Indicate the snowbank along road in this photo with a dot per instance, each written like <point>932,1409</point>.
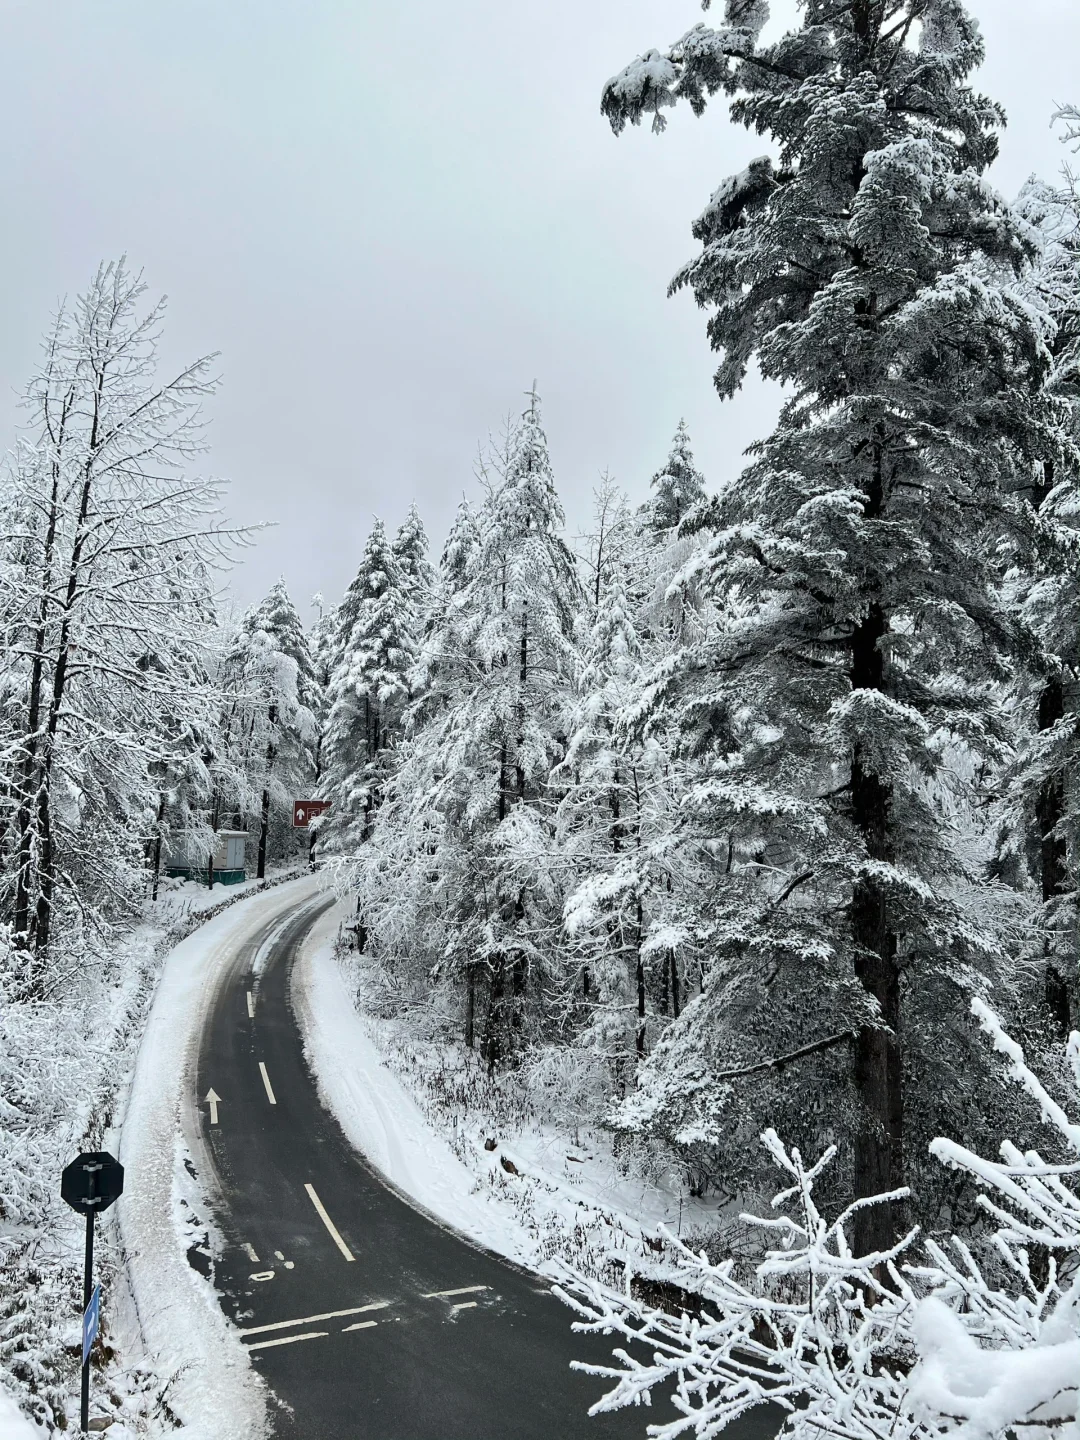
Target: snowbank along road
<point>366,1318</point>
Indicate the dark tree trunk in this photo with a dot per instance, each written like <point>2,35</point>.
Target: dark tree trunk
<point>519,979</point>
<point>523,675</point>
<point>157,846</point>
<point>675,1005</point>
<point>491,1047</point>
<point>264,826</point>
<point>470,1006</point>
<point>28,768</point>
<point>879,1143</point>
<point>639,1034</point>
<point>264,830</point>
<point>46,856</point>
<point>639,1037</point>
<point>1053,858</point>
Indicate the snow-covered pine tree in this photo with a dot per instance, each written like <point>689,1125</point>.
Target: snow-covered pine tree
<point>321,644</point>
<point>369,687</point>
<point>678,487</point>
<point>464,835</point>
<point>857,265</point>
<point>616,814</point>
<point>410,550</point>
<point>275,687</point>
<point>1040,805</point>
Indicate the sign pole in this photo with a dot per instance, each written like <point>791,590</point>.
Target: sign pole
<point>88,1290</point>
<point>90,1183</point>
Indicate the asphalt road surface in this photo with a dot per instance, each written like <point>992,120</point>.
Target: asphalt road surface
<point>366,1318</point>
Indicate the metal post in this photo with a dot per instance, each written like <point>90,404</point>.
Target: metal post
<point>88,1290</point>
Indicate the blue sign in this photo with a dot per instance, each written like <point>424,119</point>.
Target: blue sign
<point>90,1319</point>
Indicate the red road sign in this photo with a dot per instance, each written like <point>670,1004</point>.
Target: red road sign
<point>305,810</point>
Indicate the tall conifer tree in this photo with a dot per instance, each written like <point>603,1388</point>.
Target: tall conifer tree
<point>857,268</point>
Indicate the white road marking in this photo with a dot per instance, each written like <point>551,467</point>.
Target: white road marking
<point>266,1082</point>
<point>278,1255</point>
<point>289,1339</point>
<point>262,1275</point>
<point>325,1218</point>
<point>249,1251</point>
<point>315,1319</point>
<point>360,1325</point>
<point>465,1305</point>
<point>213,1099</point>
<point>251,1007</point>
<point>464,1290</point>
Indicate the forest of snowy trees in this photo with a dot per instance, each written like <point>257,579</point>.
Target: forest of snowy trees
<point>738,800</point>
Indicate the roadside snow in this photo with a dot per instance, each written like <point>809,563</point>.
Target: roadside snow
<point>212,1389</point>
<point>539,1195</point>
<point>13,1424</point>
<point>377,1113</point>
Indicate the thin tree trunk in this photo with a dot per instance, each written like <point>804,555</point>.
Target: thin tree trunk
<point>264,828</point>
<point>46,850</point>
<point>46,853</point>
<point>879,1142</point>
<point>470,1006</point>
<point>492,1043</point>
<point>1053,858</point>
<point>1049,813</point>
<point>157,845</point>
<point>28,769</point>
<point>675,1005</point>
<point>523,675</point>
<point>639,1037</point>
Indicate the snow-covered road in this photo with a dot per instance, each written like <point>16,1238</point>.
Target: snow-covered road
<point>212,1390</point>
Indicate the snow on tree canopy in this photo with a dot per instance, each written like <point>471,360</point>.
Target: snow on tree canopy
<point>679,486</point>
<point>855,566</point>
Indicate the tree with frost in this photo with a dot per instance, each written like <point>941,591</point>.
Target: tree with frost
<point>864,265</point>
<point>410,550</point>
<point>617,820</point>
<point>467,820</point>
<point>108,720</point>
<point>107,551</point>
<point>1039,810</point>
<point>321,644</point>
<point>276,698</point>
<point>929,1337</point>
<point>678,488</point>
<point>369,686</point>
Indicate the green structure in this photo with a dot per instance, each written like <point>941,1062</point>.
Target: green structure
<point>229,860</point>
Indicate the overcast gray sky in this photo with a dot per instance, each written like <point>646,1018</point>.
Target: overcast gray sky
<point>388,218</point>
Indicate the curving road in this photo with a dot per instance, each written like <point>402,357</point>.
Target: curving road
<point>366,1318</point>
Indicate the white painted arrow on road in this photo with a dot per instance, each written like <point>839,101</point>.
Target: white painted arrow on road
<point>213,1099</point>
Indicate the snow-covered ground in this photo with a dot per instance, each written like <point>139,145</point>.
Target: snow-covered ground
<point>13,1424</point>
<point>530,1186</point>
<point>212,1391</point>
